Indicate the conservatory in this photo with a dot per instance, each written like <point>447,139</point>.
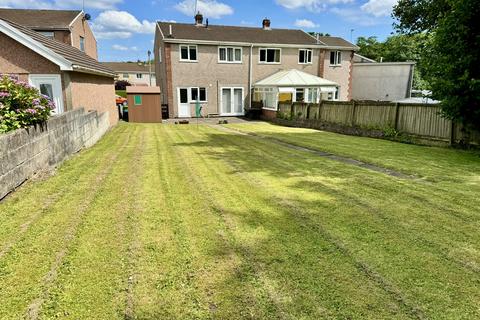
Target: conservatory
<point>293,86</point>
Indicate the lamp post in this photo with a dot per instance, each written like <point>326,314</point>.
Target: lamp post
<point>149,67</point>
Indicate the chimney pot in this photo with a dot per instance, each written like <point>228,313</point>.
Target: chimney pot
<point>198,19</point>
<point>266,24</point>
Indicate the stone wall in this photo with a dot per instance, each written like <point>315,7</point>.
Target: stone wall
<point>25,152</point>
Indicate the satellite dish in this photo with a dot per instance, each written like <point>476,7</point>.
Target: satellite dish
<point>88,16</point>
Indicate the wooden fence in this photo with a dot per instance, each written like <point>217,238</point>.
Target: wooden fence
<point>421,120</point>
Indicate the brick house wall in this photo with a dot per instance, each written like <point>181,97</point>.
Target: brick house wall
<point>81,28</point>
<point>93,92</point>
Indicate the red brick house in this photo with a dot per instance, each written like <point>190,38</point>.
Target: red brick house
<point>69,76</point>
<point>68,26</point>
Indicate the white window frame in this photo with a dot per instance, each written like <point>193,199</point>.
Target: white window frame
<point>265,62</point>
<point>190,99</point>
<point>48,34</point>
<point>226,55</point>
<point>188,50</point>
<point>264,91</point>
<point>232,96</point>
<point>126,75</point>
<point>81,44</point>
<point>160,54</point>
<point>337,58</point>
<point>334,96</point>
<point>139,75</point>
<point>306,56</point>
<point>56,86</point>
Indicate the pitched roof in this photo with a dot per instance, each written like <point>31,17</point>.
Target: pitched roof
<point>56,50</point>
<point>40,19</point>
<point>128,67</point>
<point>218,33</point>
<point>294,78</point>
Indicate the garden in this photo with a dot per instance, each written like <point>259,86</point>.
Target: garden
<point>245,221</point>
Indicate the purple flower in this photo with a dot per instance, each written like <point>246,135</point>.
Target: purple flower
<point>4,94</point>
<point>31,111</point>
<point>36,102</point>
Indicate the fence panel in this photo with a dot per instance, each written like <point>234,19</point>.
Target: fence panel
<point>336,113</point>
<point>373,115</point>
<point>423,120</point>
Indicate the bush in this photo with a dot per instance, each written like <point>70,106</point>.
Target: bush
<point>121,85</point>
<point>21,105</point>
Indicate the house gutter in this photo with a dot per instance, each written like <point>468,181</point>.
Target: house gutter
<point>250,77</point>
<point>92,71</point>
<point>248,44</point>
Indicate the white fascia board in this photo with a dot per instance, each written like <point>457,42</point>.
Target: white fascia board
<point>243,44</point>
<point>92,71</point>
<point>265,45</point>
<point>379,64</point>
<point>75,19</point>
<point>35,46</point>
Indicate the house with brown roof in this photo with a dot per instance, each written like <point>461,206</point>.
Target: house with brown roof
<point>68,26</point>
<point>70,77</point>
<point>136,73</point>
<point>221,67</point>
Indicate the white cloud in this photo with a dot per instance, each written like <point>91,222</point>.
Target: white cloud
<point>357,17</point>
<point>311,5</point>
<point>120,24</point>
<point>61,4</point>
<point>209,8</point>
<point>305,23</point>
<point>379,8</point>
<point>120,47</point>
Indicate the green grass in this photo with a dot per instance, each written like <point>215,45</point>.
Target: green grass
<point>164,221</point>
<point>121,93</point>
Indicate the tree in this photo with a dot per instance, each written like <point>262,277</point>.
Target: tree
<point>452,60</point>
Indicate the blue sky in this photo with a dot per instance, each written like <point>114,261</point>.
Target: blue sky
<point>124,28</point>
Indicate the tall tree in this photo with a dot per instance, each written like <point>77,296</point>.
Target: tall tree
<point>452,60</point>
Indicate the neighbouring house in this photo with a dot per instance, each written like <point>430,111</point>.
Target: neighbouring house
<point>384,81</point>
<point>68,26</point>
<point>222,67</point>
<point>67,75</point>
<point>137,74</point>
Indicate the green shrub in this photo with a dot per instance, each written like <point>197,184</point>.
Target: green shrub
<point>21,105</point>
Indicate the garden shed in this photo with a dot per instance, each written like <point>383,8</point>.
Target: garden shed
<point>144,104</point>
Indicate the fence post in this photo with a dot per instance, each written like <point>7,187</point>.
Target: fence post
<point>452,133</point>
<point>292,111</point>
<point>354,106</point>
<point>319,116</point>
<point>395,121</point>
<point>308,111</point>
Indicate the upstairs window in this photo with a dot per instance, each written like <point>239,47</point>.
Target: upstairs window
<point>126,75</point>
<point>230,55</point>
<point>188,53</point>
<point>305,56</point>
<point>139,76</point>
<point>335,58</point>
<point>48,34</point>
<point>82,44</point>
<point>270,55</point>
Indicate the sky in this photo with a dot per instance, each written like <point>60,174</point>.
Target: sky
<point>125,28</point>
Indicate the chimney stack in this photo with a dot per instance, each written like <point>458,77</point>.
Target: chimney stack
<point>198,19</point>
<point>266,24</point>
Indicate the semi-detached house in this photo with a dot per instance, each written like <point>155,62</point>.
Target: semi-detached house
<point>219,66</point>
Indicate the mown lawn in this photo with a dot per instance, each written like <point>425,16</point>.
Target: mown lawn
<point>186,222</point>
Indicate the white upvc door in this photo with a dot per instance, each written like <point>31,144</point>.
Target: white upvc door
<point>183,103</point>
<point>51,86</point>
<point>231,101</point>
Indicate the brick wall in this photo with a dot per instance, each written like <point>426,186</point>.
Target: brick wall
<point>25,152</point>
